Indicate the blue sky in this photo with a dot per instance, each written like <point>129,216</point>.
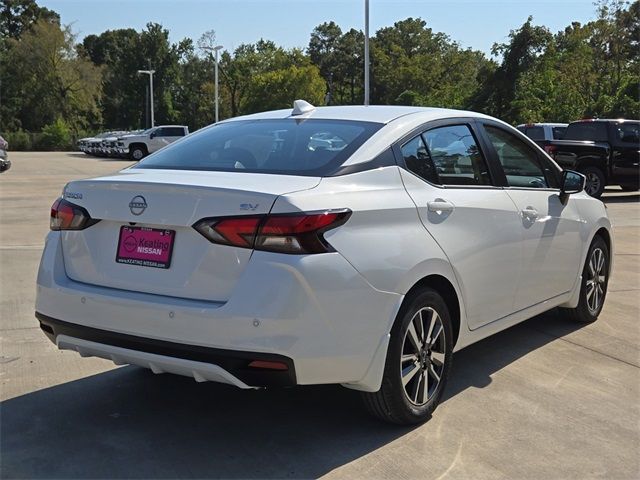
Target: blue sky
<point>477,24</point>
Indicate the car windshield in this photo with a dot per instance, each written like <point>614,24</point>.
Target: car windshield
<point>286,146</point>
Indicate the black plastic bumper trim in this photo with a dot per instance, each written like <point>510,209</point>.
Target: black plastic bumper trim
<point>234,361</point>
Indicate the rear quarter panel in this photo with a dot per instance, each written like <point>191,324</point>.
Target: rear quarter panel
<point>383,239</point>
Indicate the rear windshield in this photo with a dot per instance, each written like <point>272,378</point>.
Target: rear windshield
<point>594,131</point>
<point>287,146</point>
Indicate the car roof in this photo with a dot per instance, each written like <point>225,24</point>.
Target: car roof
<point>607,120</point>
<point>541,124</point>
<point>372,113</point>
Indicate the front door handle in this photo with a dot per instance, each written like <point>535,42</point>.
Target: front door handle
<point>529,213</point>
<point>440,206</point>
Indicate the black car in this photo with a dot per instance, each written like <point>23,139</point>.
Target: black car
<point>606,151</point>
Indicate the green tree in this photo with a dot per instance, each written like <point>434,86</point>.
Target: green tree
<point>585,70</point>
<point>519,55</point>
<point>117,52</point>
<point>51,80</point>
<point>410,57</point>
<point>260,76</point>
<point>17,16</point>
<point>122,53</point>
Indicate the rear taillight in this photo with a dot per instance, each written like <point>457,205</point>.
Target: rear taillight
<point>297,233</point>
<point>550,149</point>
<point>68,216</point>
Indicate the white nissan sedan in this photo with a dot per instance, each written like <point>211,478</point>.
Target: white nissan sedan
<point>353,245</point>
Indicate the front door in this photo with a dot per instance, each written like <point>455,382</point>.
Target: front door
<point>551,240</point>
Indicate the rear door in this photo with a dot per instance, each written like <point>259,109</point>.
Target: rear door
<point>550,228</point>
<point>473,220</point>
<point>625,155</point>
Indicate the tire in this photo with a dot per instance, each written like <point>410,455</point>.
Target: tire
<point>630,188</point>
<point>596,181</point>
<point>406,405</point>
<point>138,152</point>
<point>593,289</point>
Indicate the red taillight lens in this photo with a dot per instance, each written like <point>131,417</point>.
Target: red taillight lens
<point>298,233</point>
<point>68,216</point>
<point>239,231</point>
<point>288,233</point>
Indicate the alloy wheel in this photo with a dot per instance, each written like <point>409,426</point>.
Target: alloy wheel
<point>137,154</point>
<point>596,280</point>
<point>423,356</point>
<point>592,185</point>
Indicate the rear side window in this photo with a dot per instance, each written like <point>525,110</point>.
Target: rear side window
<point>628,133</point>
<point>417,159</point>
<point>593,131</point>
<point>286,146</point>
<point>456,156</point>
<point>535,133</point>
<point>518,161</point>
<point>558,132</point>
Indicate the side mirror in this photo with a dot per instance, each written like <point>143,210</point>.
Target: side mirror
<point>572,182</point>
<point>152,135</point>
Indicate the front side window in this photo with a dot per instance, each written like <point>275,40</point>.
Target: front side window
<point>628,133</point>
<point>285,146</point>
<point>456,156</point>
<point>518,161</point>
<point>418,160</point>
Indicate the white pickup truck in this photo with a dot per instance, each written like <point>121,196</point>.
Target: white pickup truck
<point>139,146</point>
<point>543,133</point>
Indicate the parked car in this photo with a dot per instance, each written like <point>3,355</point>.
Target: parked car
<point>93,145</point>
<point>224,258</point>
<point>543,133</point>
<point>102,145</point>
<point>83,144</point>
<point>109,144</point>
<point>5,163</point>
<point>606,151</point>
<point>149,141</point>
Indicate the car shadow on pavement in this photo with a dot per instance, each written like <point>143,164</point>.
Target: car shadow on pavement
<point>628,198</point>
<point>97,157</point>
<point>129,423</point>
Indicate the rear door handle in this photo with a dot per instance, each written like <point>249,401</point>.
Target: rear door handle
<point>530,213</point>
<point>440,206</point>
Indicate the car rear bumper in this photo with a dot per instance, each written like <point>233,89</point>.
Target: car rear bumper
<point>201,363</point>
<point>316,313</point>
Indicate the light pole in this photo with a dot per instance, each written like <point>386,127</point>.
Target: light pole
<point>150,73</point>
<point>215,51</point>
<point>366,52</point>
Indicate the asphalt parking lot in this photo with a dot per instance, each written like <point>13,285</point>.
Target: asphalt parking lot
<point>545,399</point>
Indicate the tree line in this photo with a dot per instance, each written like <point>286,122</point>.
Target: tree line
<point>50,82</point>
